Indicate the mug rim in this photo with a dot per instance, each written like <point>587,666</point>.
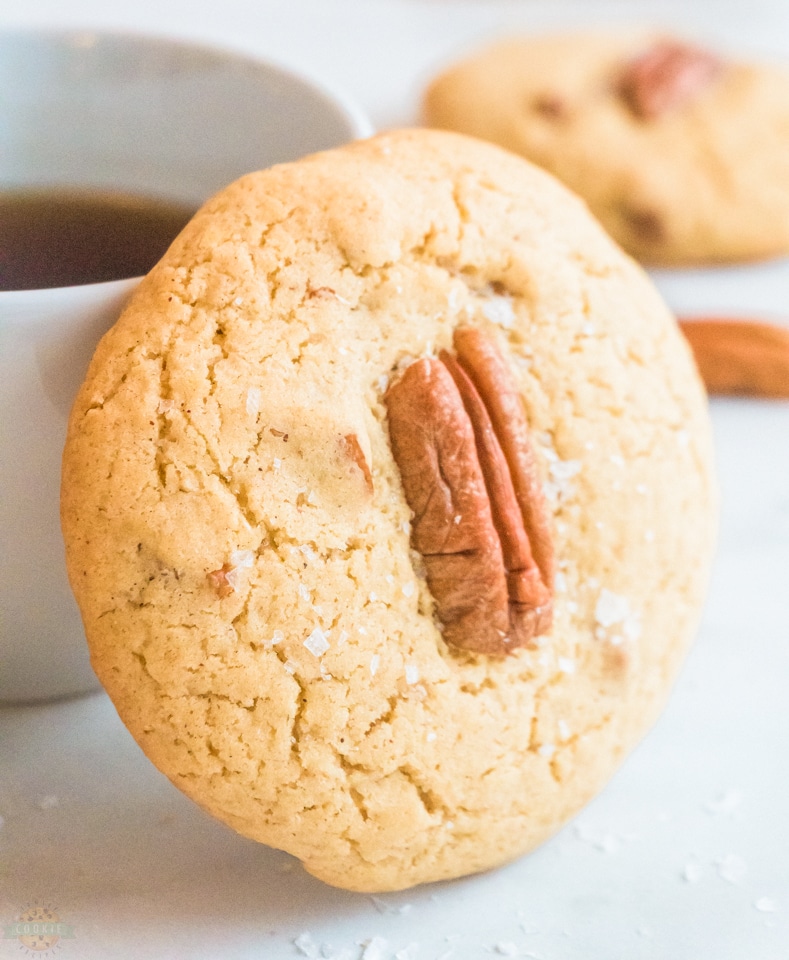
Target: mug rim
<point>358,123</point>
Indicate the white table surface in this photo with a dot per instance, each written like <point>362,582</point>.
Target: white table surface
<point>684,856</point>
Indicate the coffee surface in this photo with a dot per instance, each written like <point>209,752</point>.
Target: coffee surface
<point>62,237</point>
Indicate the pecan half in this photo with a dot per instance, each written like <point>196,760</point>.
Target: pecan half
<point>460,439</point>
<point>740,357</point>
<point>667,75</point>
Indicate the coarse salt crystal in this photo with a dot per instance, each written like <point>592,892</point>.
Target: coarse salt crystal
<point>765,905</point>
<point>407,953</point>
<point>253,401</point>
<point>373,596</point>
<point>377,949</point>
<point>290,666</point>
<point>383,382</point>
<point>692,872</point>
<point>506,949</point>
<point>499,310</point>
<point>166,406</point>
<point>566,665</point>
<point>306,946</point>
<point>375,663</point>
<point>564,730</point>
<point>611,608</point>
<point>277,637</point>
<point>411,674</point>
<point>238,301</point>
<point>317,643</point>
<point>560,582</point>
<point>242,558</point>
<point>232,578</point>
<point>342,637</point>
<point>304,593</point>
<point>617,460</point>
<point>408,589</point>
<point>277,463</point>
<point>547,750</point>
<point>431,736</point>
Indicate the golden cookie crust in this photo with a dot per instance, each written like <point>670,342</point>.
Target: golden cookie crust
<point>313,705</point>
<point>703,183</point>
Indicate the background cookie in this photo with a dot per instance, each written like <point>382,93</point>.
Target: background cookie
<point>683,156</point>
<point>252,601</point>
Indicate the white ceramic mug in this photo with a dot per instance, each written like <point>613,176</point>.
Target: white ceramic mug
<point>148,116</point>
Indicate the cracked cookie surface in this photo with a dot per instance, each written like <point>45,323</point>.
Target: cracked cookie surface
<point>238,536</point>
<point>698,177</point>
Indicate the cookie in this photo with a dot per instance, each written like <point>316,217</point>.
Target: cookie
<point>388,507</point>
<point>681,154</point>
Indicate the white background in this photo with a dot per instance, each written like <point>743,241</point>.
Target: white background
<point>684,857</point>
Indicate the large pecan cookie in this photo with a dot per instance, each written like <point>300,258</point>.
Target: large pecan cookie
<point>683,155</point>
<point>388,508</point>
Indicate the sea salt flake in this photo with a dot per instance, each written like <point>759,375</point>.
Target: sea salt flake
<point>732,868</point>
<point>499,310</point>
<point>408,589</point>
<point>342,637</point>
<point>377,949</point>
<point>506,948</point>
<point>407,953</point>
<point>765,905</point>
<point>317,643</point>
<point>611,608</point>
<point>431,736</point>
<point>253,401</point>
<point>304,593</point>
<point>290,666</point>
<point>242,559</point>
<point>373,596</point>
<point>547,750</point>
<point>277,637</point>
<point>233,578</point>
<point>383,382</point>
<point>238,301</point>
<point>566,665</point>
<point>277,463</point>
<point>692,872</point>
<point>375,663</point>
<point>306,946</point>
<point>411,674</point>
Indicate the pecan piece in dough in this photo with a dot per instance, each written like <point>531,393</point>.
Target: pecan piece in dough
<point>666,76</point>
<point>460,438</point>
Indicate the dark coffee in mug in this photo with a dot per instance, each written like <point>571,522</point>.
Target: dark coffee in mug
<point>63,237</point>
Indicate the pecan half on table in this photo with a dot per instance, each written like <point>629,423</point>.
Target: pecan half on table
<point>736,357</point>
<point>459,436</point>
